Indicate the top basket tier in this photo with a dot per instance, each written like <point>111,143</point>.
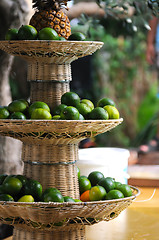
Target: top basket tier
<point>50,51</point>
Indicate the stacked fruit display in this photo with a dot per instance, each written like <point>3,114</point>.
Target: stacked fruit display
<point>95,187</point>
<point>71,108</point>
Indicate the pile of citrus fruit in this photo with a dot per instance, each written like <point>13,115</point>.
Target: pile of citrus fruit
<point>28,32</point>
<point>74,108</point>
<point>96,187</point>
<point>70,108</point>
<point>22,189</point>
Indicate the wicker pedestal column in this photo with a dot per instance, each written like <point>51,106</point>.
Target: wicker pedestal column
<point>75,234</point>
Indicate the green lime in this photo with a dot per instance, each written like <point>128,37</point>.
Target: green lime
<point>27,32</point>
<point>17,106</point>
<point>4,113</point>
<point>40,113</point>
<point>77,200</point>
<point>48,34</point>
<point>68,199</point>
<point>12,34</point>
<point>53,197</point>
<point>95,177</point>
<point>84,184</point>
<point>62,38</point>
<point>1,189</point>
<point>56,117</point>
<point>57,110</point>
<point>108,183</point>
<point>34,188</point>
<point>97,193</point>
<point>83,109</point>
<point>114,194</point>
<point>26,198</point>
<point>78,172</point>
<point>105,101</point>
<point>77,36</point>
<point>6,197</point>
<point>17,115</point>
<point>81,117</point>
<point>2,177</point>
<point>12,185</point>
<point>125,189</point>
<point>49,190</point>
<point>38,104</point>
<point>22,178</point>
<point>117,184</point>
<point>98,113</point>
<point>88,102</point>
<point>112,112</point>
<point>70,99</point>
<point>70,113</point>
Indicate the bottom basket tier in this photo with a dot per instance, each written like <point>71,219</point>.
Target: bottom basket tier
<point>52,216</point>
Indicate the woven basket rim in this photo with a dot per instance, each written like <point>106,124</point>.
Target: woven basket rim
<point>70,204</point>
<point>50,41</point>
<point>59,121</point>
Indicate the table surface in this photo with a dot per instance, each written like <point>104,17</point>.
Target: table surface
<point>140,221</point>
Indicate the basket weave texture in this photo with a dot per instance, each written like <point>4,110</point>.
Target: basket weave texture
<point>53,131</point>
<point>57,52</point>
<point>53,216</point>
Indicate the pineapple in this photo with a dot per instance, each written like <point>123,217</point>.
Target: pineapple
<point>48,13</point>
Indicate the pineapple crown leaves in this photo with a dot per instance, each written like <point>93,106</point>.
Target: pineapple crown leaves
<point>49,4</point>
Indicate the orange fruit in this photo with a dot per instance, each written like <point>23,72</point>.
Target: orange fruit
<point>114,194</point>
<point>97,193</point>
<point>85,196</point>
<point>70,99</point>
<point>12,34</point>
<point>95,177</point>
<point>112,112</point>
<point>98,113</point>
<point>48,34</point>
<point>27,32</point>
<point>70,113</point>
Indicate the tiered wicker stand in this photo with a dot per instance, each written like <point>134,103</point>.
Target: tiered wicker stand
<point>50,147</point>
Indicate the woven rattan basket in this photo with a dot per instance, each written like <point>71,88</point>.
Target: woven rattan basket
<point>50,148</point>
<point>55,216</point>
